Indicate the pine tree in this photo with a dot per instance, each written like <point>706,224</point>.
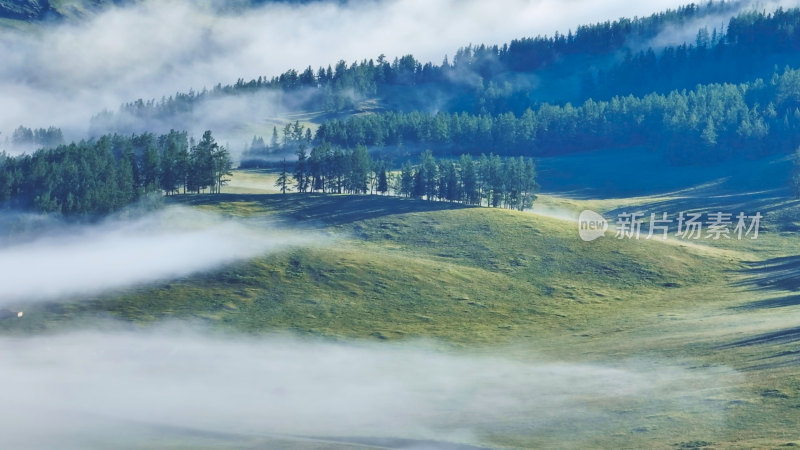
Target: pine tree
<point>301,172</point>
<point>441,180</point>
<point>496,180</point>
<point>383,181</point>
<point>429,174</point>
<point>223,164</point>
<point>360,167</point>
<point>418,191</point>
<point>274,144</point>
<point>468,181</point>
<point>151,164</point>
<point>407,178</point>
<point>530,187</point>
<point>201,167</point>
<point>338,170</point>
<point>283,180</point>
<point>453,192</point>
<point>318,167</point>
<point>796,174</point>
<point>173,153</point>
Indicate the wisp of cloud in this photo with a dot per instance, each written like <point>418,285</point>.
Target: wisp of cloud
<point>67,260</point>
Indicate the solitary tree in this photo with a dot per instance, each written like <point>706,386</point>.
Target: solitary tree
<point>274,143</point>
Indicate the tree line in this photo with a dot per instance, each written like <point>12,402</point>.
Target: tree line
<point>707,124</point>
<point>104,174</point>
<point>489,180</point>
<point>28,138</point>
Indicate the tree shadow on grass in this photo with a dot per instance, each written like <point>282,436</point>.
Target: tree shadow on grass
<point>778,302</point>
<point>776,274</point>
<point>329,209</point>
<point>779,275</point>
<point>781,358</point>
<point>785,336</point>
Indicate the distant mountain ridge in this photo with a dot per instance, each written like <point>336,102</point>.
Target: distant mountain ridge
<point>53,10</point>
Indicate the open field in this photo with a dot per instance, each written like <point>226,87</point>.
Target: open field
<point>253,181</point>
<point>716,320</point>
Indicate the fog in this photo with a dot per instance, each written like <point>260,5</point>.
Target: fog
<point>42,258</point>
<point>97,389</point>
<point>687,33</point>
<point>554,212</point>
<point>63,75</point>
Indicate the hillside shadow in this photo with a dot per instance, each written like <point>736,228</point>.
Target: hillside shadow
<point>325,208</point>
<point>638,172</point>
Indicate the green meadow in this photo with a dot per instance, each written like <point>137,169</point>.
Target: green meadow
<point>488,281</point>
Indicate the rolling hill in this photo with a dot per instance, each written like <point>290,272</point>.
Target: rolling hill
<point>400,270</point>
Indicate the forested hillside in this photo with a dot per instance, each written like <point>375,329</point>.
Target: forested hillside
<point>595,61</point>
<point>754,43</point>
<point>710,123</point>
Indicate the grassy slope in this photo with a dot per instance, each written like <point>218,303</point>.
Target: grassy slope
<point>479,278</point>
<point>410,268</point>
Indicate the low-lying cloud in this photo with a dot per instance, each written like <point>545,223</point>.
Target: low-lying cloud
<point>108,389</point>
<point>65,74</point>
<point>46,259</point>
